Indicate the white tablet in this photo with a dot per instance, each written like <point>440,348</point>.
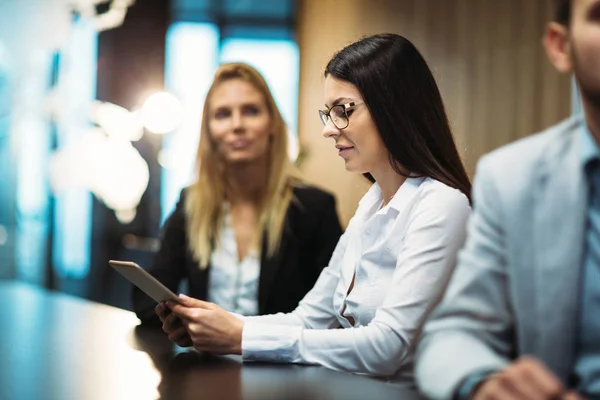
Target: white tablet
<point>143,280</point>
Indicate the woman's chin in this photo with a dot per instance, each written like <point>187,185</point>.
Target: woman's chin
<point>242,159</point>
<point>350,167</point>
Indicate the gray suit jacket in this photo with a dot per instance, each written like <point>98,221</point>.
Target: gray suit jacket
<point>515,290</point>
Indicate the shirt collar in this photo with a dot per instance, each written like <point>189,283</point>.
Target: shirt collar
<point>401,198</point>
<point>405,193</point>
<point>589,148</point>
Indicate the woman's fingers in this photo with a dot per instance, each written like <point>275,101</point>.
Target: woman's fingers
<point>191,302</point>
<point>162,310</point>
<point>184,342</point>
<point>179,334</point>
<point>188,313</point>
<point>207,327</point>
<point>173,321</point>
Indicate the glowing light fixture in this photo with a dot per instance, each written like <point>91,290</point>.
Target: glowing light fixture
<point>161,113</point>
<point>117,122</point>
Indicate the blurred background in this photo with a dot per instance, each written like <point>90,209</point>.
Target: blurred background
<point>100,108</point>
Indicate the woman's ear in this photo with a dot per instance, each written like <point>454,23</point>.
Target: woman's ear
<point>558,46</point>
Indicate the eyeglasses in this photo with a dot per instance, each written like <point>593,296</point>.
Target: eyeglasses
<point>338,114</point>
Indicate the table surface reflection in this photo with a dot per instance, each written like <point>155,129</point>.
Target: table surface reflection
<point>54,346</point>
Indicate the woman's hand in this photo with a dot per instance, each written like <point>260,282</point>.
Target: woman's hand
<point>173,326</point>
<point>210,328</point>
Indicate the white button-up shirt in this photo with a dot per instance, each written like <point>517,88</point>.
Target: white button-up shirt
<point>402,256</point>
<point>233,284</point>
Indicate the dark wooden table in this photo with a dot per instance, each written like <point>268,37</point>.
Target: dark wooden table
<point>54,346</point>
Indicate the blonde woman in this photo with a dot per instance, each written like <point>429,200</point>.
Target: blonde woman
<point>248,235</point>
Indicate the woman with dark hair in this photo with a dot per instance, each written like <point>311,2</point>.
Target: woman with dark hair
<point>390,267</point>
<point>393,81</point>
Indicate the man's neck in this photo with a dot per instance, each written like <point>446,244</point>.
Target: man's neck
<point>592,118</point>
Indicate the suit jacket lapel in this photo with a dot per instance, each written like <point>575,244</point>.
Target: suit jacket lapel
<point>270,265</point>
<point>559,225</point>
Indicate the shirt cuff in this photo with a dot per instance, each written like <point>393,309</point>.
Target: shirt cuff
<point>273,343</point>
<point>470,383</point>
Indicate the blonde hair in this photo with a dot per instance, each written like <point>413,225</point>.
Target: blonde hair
<point>205,198</point>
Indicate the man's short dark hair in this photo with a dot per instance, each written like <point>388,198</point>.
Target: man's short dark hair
<point>563,11</point>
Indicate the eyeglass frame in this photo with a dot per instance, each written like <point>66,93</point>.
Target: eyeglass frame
<point>345,107</point>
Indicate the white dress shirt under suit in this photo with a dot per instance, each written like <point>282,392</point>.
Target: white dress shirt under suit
<point>402,255</point>
<point>233,284</point>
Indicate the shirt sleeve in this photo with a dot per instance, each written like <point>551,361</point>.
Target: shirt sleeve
<point>434,234</point>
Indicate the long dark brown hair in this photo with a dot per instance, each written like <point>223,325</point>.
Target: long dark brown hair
<point>406,105</point>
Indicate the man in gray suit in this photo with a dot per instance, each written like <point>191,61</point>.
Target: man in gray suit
<point>521,316</point>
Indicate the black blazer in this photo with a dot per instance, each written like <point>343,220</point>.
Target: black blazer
<point>310,234</point>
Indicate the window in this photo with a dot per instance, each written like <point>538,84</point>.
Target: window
<point>191,60</point>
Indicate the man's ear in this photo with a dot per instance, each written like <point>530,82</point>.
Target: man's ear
<point>558,47</point>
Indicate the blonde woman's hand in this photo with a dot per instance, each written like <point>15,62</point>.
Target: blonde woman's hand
<point>210,328</point>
